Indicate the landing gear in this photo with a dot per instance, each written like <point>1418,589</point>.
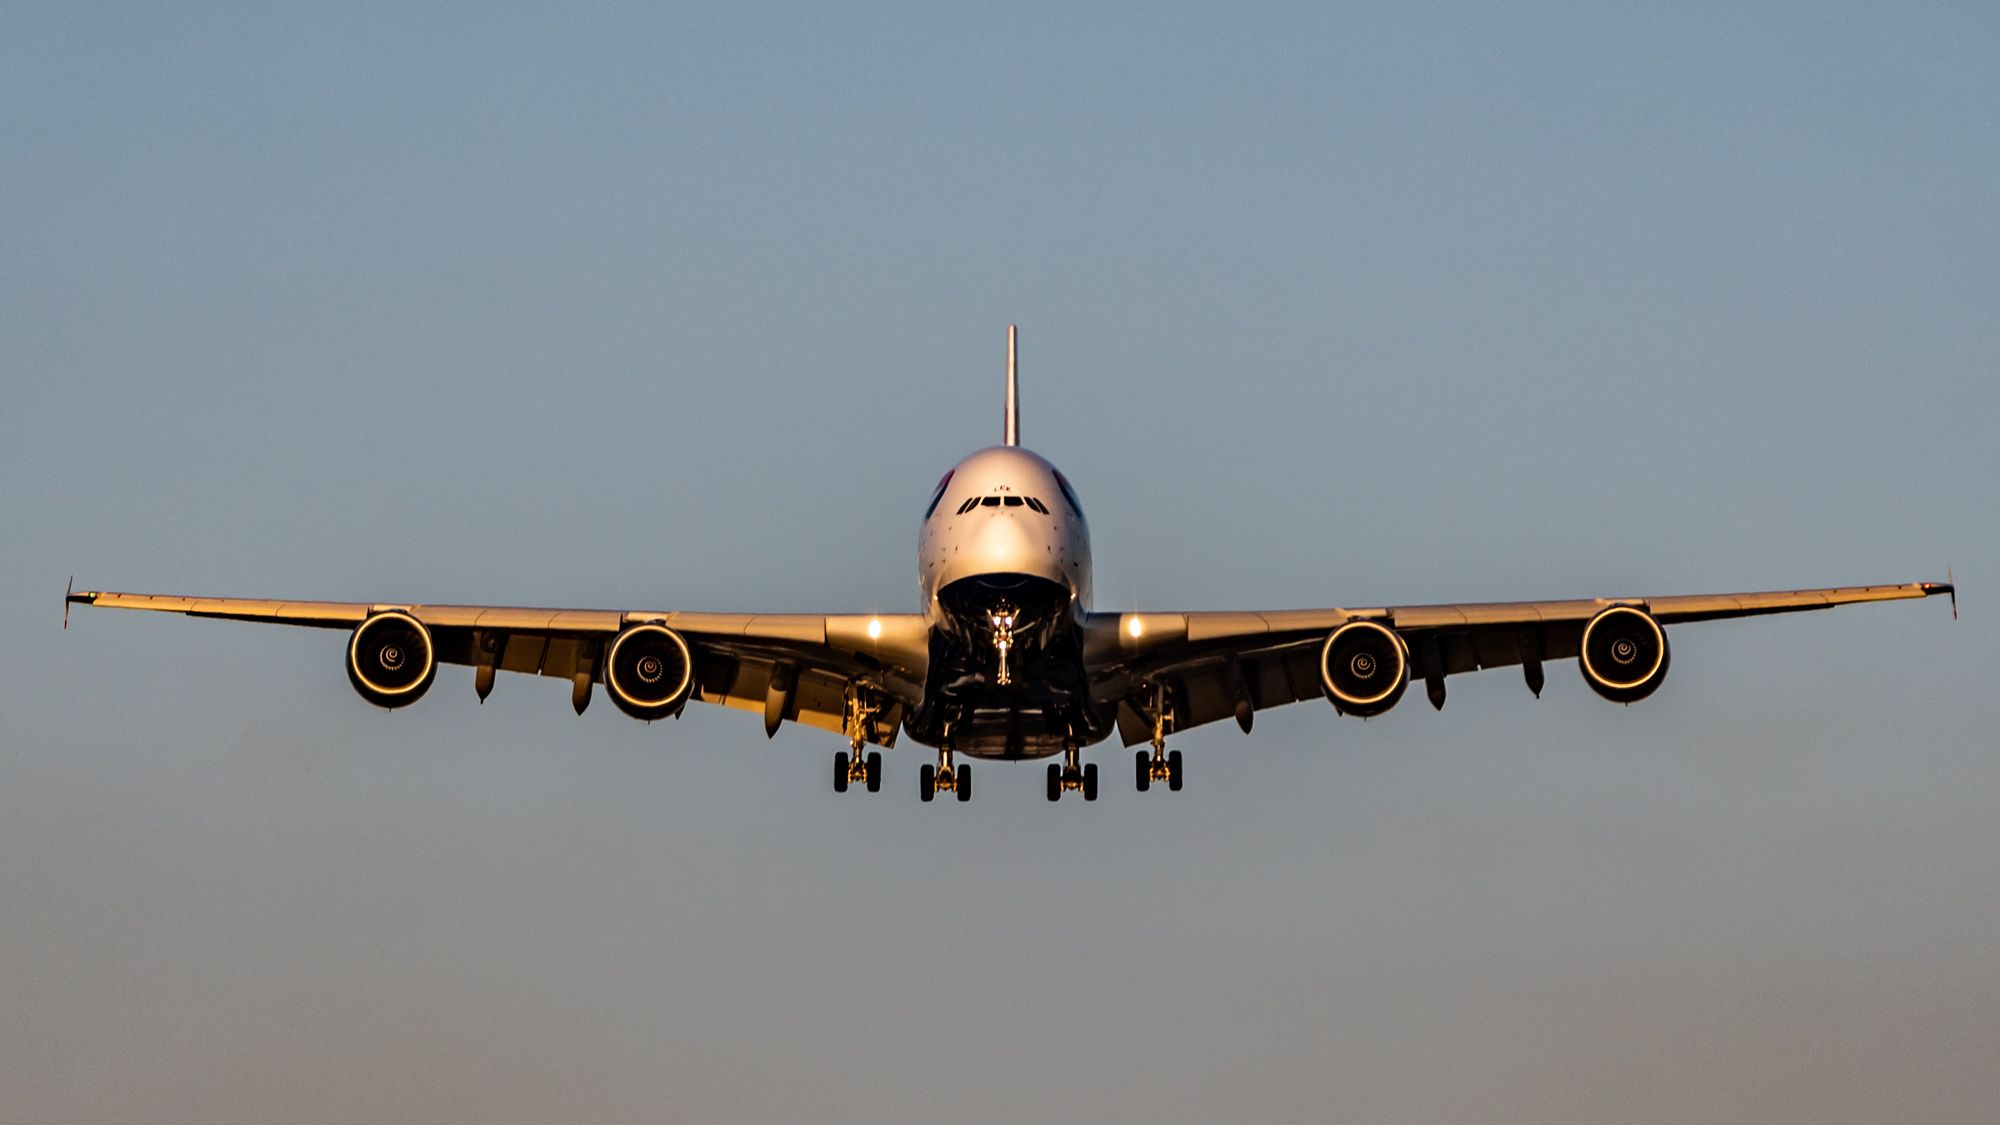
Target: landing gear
<point>1002,620</point>
<point>855,768</point>
<point>1071,776</point>
<point>850,766</point>
<point>1158,765</point>
<point>1151,765</point>
<point>931,779</point>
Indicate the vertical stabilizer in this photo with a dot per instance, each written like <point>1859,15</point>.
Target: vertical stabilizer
<point>1013,435</point>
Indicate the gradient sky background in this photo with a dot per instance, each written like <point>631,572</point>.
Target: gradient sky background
<point>621,307</point>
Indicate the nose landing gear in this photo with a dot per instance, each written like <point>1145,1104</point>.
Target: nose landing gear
<point>1002,621</point>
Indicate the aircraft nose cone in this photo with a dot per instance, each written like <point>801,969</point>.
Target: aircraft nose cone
<point>1003,544</point>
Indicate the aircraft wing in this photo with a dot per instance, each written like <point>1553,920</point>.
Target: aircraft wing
<point>794,667</point>
<point>1212,663</point>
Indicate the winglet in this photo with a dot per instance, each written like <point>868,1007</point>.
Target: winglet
<point>68,591</point>
<point>1948,586</point>
<point>1013,432</point>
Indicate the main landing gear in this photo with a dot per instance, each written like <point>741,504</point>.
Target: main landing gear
<point>943,777</point>
<point>1158,765</point>
<point>1150,766</point>
<point>850,766</point>
<point>856,769</point>
<point>1070,776</point>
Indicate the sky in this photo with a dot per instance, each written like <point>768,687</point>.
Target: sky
<point>689,305</point>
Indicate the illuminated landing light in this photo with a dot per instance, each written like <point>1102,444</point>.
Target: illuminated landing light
<point>1134,626</point>
<point>874,628</point>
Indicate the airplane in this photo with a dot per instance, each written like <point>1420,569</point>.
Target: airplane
<point>1007,659</point>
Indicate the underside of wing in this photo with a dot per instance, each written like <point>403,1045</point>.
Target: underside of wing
<point>1203,666</point>
<point>840,672</point>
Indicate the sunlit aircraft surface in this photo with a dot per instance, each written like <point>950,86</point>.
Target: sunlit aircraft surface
<point>1007,659</point>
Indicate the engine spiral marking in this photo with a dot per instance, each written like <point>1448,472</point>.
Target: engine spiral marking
<point>1362,667</point>
<point>1636,656</point>
<point>390,658</point>
<point>649,671</point>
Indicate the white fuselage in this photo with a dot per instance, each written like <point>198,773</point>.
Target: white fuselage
<point>1003,511</point>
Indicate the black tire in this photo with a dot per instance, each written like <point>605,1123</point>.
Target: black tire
<point>1055,782</point>
<point>964,784</point>
<point>1142,773</point>
<point>840,772</point>
<point>1090,782</point>
<point>1174,770</point>
<point>875,771</point>
<point>927,781</point>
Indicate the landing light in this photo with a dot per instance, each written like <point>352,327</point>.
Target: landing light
<point>1134,626</point>
<point>874,628</point>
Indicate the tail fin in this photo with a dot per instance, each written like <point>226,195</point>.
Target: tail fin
<point>1013,434</point>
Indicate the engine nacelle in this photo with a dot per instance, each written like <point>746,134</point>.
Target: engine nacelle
<point>1363,668</point>
<point>649,671</point>
<point>1624,654</point>
<point>390,659</point>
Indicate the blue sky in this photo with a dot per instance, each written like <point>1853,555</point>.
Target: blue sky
<point>619,306</point>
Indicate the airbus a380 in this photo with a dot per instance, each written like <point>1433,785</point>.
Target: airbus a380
<point>1007,659</point>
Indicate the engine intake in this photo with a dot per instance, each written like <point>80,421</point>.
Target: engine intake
<point>649,671</point>
<point>390,659</point>
<point>1624,654</point>
<point>1363,668</point>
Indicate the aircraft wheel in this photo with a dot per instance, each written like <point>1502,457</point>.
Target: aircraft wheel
<point>964,783</point>
<point>1142,770</point>
<point>875,771</point>
<point>927,781</point>
<point>1090,782</point>
<point>1174,770</point>
<point>1055,782</point>
<point>840,772</point>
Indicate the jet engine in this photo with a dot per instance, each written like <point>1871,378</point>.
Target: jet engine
<point>1624,654</point>
<point>649,671</point>
<point>1363,668</point>
<point>390,659</point>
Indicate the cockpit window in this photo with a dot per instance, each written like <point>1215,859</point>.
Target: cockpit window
<point>1003,500</point>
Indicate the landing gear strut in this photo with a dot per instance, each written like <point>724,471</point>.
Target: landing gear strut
<point>1158,765</point>
<point>850,766</point>
<point>943,777</point>
<point>1002,620</point>
<point>1071,776</point>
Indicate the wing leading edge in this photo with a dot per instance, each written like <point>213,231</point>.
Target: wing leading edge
<point>1211,663</point>
<point>801,667</point>
<point>788,667</point>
